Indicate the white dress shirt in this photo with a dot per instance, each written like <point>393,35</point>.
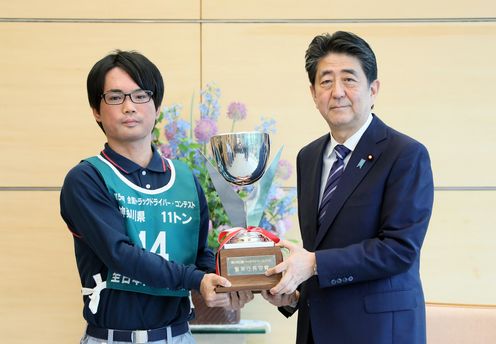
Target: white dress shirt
<point>329,156</point>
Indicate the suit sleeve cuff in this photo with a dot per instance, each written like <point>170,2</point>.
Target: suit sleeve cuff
<point>196,278</point>
<point>287,311</point>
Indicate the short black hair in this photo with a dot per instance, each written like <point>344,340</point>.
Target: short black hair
<point>144,73</point>
<point>344,43</point>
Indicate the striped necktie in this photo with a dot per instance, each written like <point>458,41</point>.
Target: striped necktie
<point>333,179</point>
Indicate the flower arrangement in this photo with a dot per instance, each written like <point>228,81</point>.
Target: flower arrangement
<point>184,142</point>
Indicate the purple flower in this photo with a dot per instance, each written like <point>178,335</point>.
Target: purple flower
<point>236,111</point>
<point>268,126</point>
<point>265,224</point>
<point>166,151</point>
<point>272,193</point>
<point>175,128</point>
<point>282,226</point>
<point>170,131</point>
<point>210,104</point>
<point>284,169</point>
<point>205,129</point>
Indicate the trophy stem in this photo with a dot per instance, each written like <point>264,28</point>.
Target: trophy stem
<point>257,202</point>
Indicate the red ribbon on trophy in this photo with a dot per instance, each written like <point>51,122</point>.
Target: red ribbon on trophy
<point>228,234</point>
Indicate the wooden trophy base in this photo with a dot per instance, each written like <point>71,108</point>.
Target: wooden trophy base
<point>245,268</point>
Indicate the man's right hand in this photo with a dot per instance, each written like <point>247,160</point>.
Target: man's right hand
<point>296,268</point>
<point>207,290</point>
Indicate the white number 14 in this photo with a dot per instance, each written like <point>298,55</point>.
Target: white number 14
<point>158,246</point>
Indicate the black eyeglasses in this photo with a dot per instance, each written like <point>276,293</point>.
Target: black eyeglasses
<point>118,97</point>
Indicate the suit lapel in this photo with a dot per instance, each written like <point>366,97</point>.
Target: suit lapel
<point>310,196</point>
<point>315,177</point>
<point>371,143</point>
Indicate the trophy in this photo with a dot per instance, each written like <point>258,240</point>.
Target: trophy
<point>246,251</point>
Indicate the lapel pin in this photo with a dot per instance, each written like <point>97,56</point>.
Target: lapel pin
<point>370,157</point>
<point>360,164</point>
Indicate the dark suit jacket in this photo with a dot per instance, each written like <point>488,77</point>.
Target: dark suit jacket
<point>368,288</point>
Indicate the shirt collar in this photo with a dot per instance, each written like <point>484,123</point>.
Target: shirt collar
<point>352,141</point>
<point>156,163</point>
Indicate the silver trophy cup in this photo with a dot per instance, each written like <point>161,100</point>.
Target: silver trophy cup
<point>241,159</point>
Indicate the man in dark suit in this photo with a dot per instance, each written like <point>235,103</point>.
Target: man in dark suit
<point>365,195</point>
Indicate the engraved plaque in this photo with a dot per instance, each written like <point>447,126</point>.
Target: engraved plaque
<point>249,265</point>
<point>245,268</point>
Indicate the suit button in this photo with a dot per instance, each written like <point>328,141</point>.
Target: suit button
<point>308,303</point>
<point>339,281</point>
<point>333,282</point>
<point>345,279</point>
<point>350,278</point>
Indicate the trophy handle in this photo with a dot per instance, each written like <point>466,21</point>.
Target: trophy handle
<point>233,204</point>
<point>255,204</point>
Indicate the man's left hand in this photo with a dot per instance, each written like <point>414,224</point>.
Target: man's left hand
<point>281,300</point>
<point>240,298</point>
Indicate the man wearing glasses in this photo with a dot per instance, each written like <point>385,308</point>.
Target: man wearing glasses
<point>138,249</point>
